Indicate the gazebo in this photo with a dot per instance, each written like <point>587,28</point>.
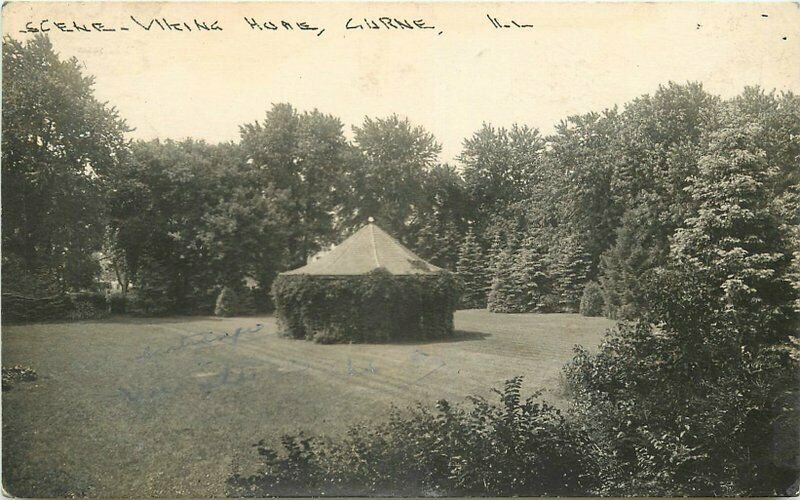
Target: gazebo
<point>369,288</point>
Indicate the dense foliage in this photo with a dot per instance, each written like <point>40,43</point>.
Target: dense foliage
<point>472,271</point>
<point>374,307</point>
<point>592,303</point>
<point>676,213</point>
<point>699,394</point>
<point>20,308</point>
<point>514,446</point>
<point>60,148</point>
<point>696,394</point>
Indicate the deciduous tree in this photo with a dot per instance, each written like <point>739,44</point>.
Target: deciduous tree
<point>60,147</point>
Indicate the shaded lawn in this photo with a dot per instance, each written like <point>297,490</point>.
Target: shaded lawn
<point>171,407</point>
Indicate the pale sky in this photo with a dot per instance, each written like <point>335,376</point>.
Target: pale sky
<point>575,58</point>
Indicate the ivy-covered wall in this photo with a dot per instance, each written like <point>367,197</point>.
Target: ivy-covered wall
<point>375,307</point>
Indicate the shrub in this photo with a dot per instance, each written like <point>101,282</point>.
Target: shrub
<point>509,447</point>
<point>149,301</point>
<point>227,303</point>
<point>31,295</point>
<point>370,308</point>
<point>87,305</point>
<point>262,300</point>
<point>17,373</point>
<point>118,302</point>
<point>18,308</point>
<point>669,416</point>
<point>550,303</point>
<point>592,303</point>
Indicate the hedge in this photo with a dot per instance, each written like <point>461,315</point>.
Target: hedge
<point>374,307</point>
<point>19,308</point>
<point>88,305</point>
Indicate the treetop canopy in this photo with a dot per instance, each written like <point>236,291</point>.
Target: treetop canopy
<point>368,249</point>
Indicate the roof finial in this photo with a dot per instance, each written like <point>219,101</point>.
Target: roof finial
<point>370,220</point>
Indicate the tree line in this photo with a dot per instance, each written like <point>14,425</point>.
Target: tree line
<point>694,392</point>
<point>677,213</point>
<point>526,220</point>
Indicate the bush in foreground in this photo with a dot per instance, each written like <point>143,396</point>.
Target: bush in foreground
<point>668,417</point>
<point>509,447</point>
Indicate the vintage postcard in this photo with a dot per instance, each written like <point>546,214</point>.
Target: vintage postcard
<point>401,249</point>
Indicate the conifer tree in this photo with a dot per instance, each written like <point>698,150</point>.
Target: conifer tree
<point>472,270</point>
<point>503,289</point>
<point>570,273</point>
<point>530,276</point>
<point>495,249</point>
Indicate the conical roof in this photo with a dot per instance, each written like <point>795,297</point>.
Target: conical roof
<point>368,249</point>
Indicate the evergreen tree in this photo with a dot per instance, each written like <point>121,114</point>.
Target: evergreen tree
<point>502,295</point>
<point>530,276</point>
<point>471,269</point>
<point>570,273</point>
<point>495,249</point>
<point>638,249</point>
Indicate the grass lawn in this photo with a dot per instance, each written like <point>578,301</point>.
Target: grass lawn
<point>170,407</point>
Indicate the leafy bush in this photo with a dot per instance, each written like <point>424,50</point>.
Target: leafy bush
<point>18,308</point>
<point>592,303</point>
<point>17,373</point>
<point>150,302</point>
<point>668,416</point>
<point>118,302</point>
<point>227,303</point>
<point>87,305</point>
<point>512,447</point>
<point>262,300</point>
<point>371,308</point>
<point>31,294</point>
<point>74,306</point>
<point>695,398</point>
<point>550,303</point>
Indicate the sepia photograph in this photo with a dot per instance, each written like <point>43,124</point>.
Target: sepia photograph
<point>400,249</point>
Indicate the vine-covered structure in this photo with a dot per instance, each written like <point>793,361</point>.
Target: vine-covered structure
<point>370,288</point>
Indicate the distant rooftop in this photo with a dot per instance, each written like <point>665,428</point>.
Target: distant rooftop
<point>368,249</point>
